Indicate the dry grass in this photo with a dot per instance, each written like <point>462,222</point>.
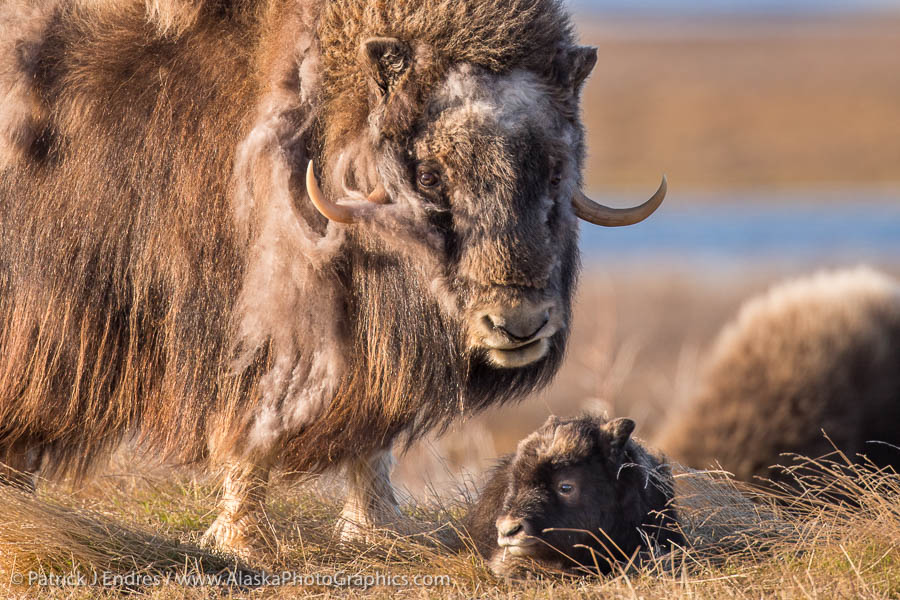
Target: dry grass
<point>799,545</point>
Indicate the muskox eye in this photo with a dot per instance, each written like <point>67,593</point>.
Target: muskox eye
<point>428,179</point>
<point>565,488</point>
<point>555,179</point>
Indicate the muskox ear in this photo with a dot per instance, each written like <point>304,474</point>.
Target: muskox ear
<point>386,60</point>
<point>619,431</point>
<point>577,64</point>
<point>552,421</point>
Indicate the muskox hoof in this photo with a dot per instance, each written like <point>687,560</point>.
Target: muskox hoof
<point>19,465</point>
<point>352,532</point>
<point>245,538</point>
<point>356,526</point>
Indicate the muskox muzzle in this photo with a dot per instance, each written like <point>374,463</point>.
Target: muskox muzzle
<point>516,335</point>
<point>515,535</point>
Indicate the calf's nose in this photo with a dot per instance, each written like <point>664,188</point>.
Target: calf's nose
<point>510,526</point>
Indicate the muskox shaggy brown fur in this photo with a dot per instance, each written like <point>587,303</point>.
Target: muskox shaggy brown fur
<point>577,492</point>
<point>817,354</point>
<point>168,275</point>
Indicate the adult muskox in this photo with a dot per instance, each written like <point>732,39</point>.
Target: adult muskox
<point>818,353</point>
<point>171,270</point>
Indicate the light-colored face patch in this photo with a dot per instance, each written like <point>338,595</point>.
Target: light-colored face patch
<point>483,118</point>
<point>509,101</point>
<point>473,103</point>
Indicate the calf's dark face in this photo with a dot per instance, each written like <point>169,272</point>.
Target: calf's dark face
<point>565,496</point>
<point>555,510</point>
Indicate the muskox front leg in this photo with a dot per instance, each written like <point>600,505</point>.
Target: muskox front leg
<point>371,502</point>
<point>241,528</point>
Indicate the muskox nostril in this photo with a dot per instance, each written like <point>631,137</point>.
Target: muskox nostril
<point>523,333</point>
<point>517,331</point>
<point>509,527</point>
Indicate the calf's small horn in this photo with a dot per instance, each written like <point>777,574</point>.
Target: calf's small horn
<point>598,214</point>
<point>332,210</point>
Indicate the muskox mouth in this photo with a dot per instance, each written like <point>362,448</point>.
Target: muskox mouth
<point>518,546</point>
<point>516,334</point>
<point>520,549</point>
<point>511,357</point>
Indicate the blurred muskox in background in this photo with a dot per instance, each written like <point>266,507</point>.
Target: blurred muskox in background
<point>816,354</point>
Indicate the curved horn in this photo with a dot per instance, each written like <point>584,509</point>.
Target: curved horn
<point>330,210</point>
<point>379,195</point>
<point>598,214</point>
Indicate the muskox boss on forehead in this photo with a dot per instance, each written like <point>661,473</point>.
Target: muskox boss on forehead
<point>281,233</point>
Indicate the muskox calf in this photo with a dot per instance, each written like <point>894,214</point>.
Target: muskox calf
<point>577,492</point>
<point>821,353</point>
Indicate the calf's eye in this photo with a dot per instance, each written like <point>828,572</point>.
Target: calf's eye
<point>555,179</point>
<point>565,488</point>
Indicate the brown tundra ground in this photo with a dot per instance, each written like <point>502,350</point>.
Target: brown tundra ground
<point>723,105</point>
<point>718,106</point>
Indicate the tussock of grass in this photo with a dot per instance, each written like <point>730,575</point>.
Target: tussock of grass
<point>50,533</point>
<point>723,519</point>
<point>794,542</point>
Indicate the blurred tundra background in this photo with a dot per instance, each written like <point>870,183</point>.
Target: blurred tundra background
<point>778,125</point>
